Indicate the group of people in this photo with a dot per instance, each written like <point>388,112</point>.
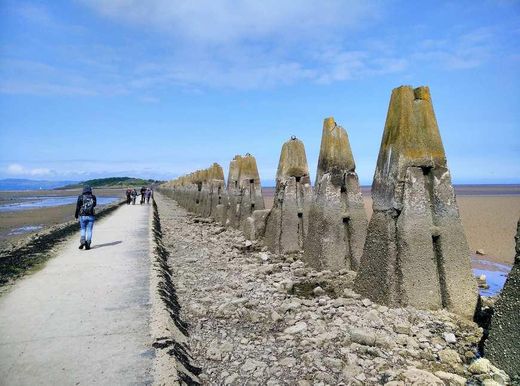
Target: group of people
<point>131,195</point>
<point>85,210</point>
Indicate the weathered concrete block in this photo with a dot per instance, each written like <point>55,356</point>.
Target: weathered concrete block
<point>415,251</point>
<point>503,344</point>
<point>287,223</point>
<point>338,227</point>
<point>254,226</point>
<point>234,193</point>
<point>250,189</point>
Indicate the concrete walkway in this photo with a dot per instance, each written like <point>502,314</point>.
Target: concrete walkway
<point>84,318</point>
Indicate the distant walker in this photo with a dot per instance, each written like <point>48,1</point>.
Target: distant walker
<point>85,211</point>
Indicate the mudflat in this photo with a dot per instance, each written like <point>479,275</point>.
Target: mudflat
<point>489,215</point>
<point>18,224</point>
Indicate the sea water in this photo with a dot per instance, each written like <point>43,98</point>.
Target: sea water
<point>36,202</point>
<point>496,275</point>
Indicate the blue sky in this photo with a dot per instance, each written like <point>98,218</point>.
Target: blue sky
<point>158,88</point>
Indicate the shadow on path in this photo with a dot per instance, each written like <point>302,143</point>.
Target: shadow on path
<point>106,244</point>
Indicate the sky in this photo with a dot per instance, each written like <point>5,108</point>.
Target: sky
<point>159,88</point>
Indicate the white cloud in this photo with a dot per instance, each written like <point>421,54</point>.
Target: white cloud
<point>226,21</point>
<point>464,51</point>
<point>249,44</point>
<point>19,170</point>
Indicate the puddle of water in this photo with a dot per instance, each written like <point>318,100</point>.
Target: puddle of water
<point>25,229</point>
<point>496,274</point>
<point>45,202</point>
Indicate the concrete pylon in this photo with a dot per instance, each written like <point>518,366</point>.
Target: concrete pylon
<point>250,189</point>
<point>415,252</point>
<point>287,222</point>
<point>503,345</point>
<point>216,188</point>
<point>338,227</point>
<point>234,193</point>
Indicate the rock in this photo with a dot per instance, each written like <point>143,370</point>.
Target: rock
<point>480,252</point>
<point>252,365</point>
<point>334,364</point>
<point>450,357</point>
<point>214,352</point>
<point>231,379</point>
<point>304,382</point>
<point>384,341</point>
<point>373,316</point>
<point>226,347</point>
<point>248,243</point>
<point>263,256</point>
<point>275,316</point>
<point>363,336</point>
<point>287,362</point>
<point>318,291</point>
<point>449,337</point>
<point>348,293</point>
<point>402,328</point>
<point>480,366</point>
<point>366,302</point>
<point>421,377</point>
<point>451,379</point>
<point>297,328</point>
<point>490,382</point>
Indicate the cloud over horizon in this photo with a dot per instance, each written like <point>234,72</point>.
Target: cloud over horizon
<point>244,45</point>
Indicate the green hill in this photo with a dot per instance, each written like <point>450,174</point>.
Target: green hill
<point>112,182</point>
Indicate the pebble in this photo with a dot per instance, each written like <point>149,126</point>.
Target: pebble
<point>241,298</point>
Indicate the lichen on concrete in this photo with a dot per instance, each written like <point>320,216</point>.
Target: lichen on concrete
<point>337,232</point>
<point>416,251</point>
<point>288,220</point>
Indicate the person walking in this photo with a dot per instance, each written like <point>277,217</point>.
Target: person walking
<point>134,196</point>
<point>85,211</point>
<point>148,195</point>
<point>143,193</point>
<point>128,196</point>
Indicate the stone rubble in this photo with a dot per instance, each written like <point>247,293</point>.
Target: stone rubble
<point>257,318</point>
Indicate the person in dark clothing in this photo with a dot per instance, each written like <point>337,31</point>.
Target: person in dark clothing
<point>149,194</point>
<point>134,195</point>
<point>85,211</point>
<point>128,196</point>
<point>143,194</point>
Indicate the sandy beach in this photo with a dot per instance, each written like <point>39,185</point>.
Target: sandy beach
<point>18,224</point>
<point>489,215</point>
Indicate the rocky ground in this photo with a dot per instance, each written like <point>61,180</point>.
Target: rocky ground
<point>260,319</point>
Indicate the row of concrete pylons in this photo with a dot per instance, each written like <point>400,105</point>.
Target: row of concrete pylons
<point>413,251</point>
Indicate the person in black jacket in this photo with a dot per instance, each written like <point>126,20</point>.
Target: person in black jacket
<point>85,211</point>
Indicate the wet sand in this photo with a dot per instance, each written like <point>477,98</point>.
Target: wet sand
<point>489,216</point>
<point>40,218</point>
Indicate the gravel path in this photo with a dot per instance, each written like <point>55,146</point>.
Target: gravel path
<point>261,319</point>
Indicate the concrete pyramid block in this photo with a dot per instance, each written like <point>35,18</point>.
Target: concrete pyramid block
<point>503,344</point>
<point>250,190</point>
<point>337,231</point>
<point>234,193</point>
<point>287,222</point>
<point>416,251</point>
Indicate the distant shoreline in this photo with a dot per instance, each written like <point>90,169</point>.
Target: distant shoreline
<point>460,189</point>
